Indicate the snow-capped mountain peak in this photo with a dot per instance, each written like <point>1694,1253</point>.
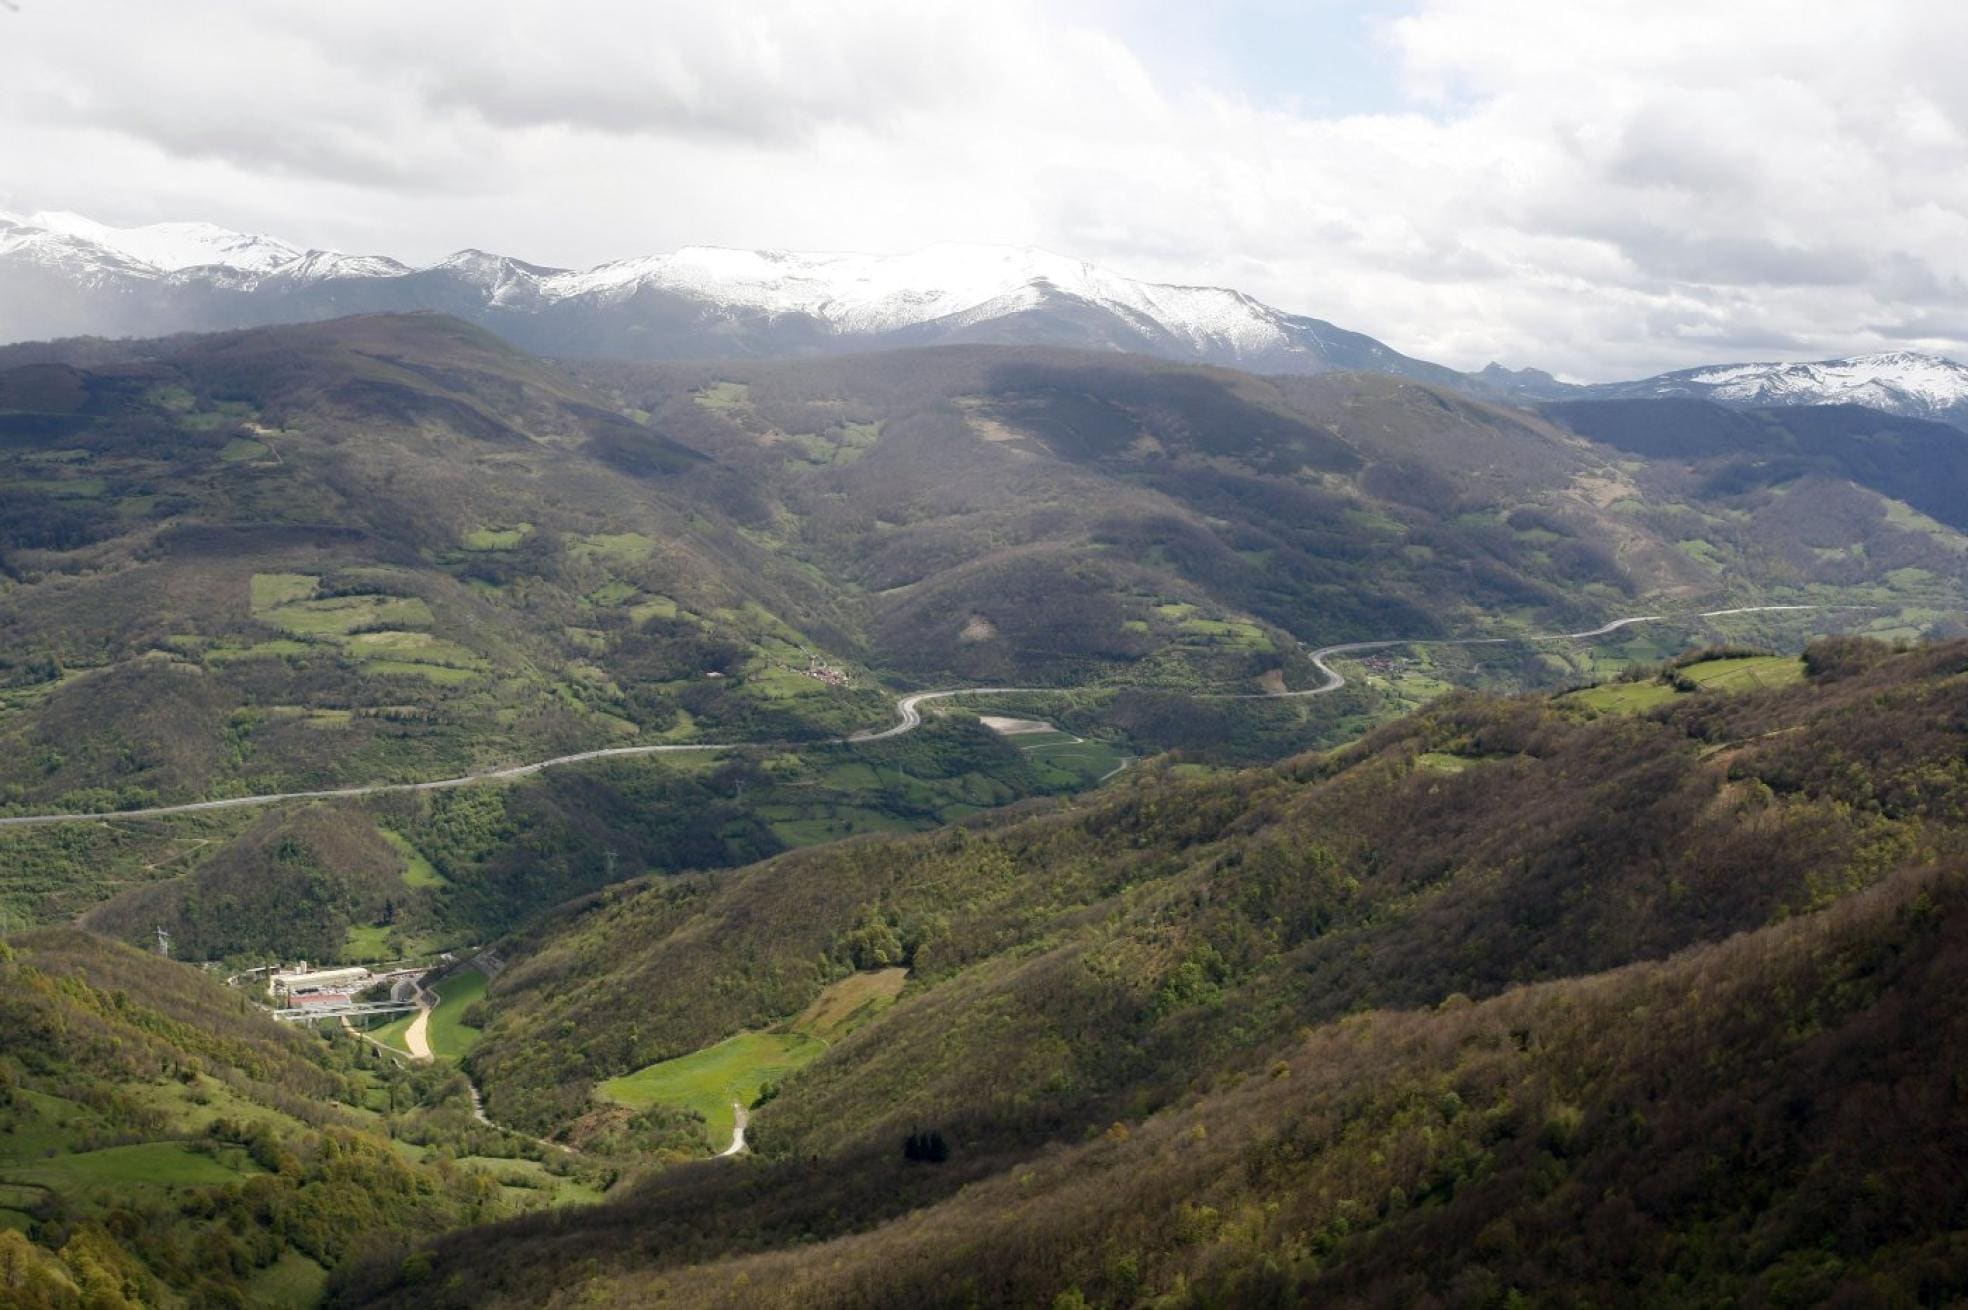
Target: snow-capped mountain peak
<point>1902,380</point>
<point>173,246</point>
<point>71,273</point>
<point>948,283</point>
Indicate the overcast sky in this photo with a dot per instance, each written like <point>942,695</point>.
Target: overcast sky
<point>1604,188</point>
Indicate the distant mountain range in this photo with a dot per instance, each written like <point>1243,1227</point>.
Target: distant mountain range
<point>64,275</point>
<point>1899,382</point>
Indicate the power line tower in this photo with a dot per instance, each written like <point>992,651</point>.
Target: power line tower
<point>163,942</point>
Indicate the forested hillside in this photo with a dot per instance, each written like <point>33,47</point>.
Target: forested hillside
<point>1465,984</point>
<point>162,1143</point>
<point>390,548</point>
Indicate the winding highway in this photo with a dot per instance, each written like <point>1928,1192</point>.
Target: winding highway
<point>908,717</point>
<point>1335,679</point>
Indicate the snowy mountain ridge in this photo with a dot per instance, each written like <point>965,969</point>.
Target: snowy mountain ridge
<point>1902,382</point>
<point>1861,379</point>
<point>853,293</point>
<point>65,274</point>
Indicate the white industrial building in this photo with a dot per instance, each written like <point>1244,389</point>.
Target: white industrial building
<point>303,980</point>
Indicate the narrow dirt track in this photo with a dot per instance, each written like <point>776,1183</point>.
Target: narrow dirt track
<point>740,1118</point>
<point>417,1035</point>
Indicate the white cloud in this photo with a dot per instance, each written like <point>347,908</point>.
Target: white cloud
<point>1603,189</point>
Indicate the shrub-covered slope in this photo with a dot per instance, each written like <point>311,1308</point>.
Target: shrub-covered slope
<point>1506,997</point>
<point>162,1143</point>
<point>1123,943</point>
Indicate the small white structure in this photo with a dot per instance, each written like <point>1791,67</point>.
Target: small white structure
<point>303,981</point>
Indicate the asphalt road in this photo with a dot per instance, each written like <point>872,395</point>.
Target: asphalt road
<point>907,714</point>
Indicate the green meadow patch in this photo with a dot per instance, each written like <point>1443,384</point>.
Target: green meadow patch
<point>418,871</point>
<point>60,488</point>
<point>653,607</point>
<point>1624,697</point>
<point>1757,673</point>
<point>497,538</point>
<point>411,648</point>
<point>275,589</point>
<point>450,1038</point>
<point>721,397</point>
<point>1735,674</point>
<point>341,615</point>
<point>615,547</point>
<point>442,674</point>
<point>710,1080</point>
<point>610,594</point>
<point>279,648</point>
<point>367,943</point>
<point>241,450</point>
<point>147,1164</point>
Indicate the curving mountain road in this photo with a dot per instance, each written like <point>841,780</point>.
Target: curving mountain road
<point>908,718</point>
<point>1335,679</point>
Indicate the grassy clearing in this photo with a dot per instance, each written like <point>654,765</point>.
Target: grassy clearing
<point>530,1183</point>
<point>708,1081</point>
<point>60,488</point>
<point>1755,674</point>
<point>615,547</point>
<point>279,648</point>
<point>1222,632</point>
<point>450,1039</point>
<point>439,673</point>
<point>831,823</point>
<point>722,397</point>
<point>1065,761</point>
<point>610,594</point>
<point>291,1280</point>
<point>1440,762</point>
<point>653,607</point>
<point>734,1070</point>
<point>338,616</point>
<point>391,1033</point>
<point>497,538</point>
<point>1624,697</point>
<point>275,589</point>
<point>850,1002</point>
<point>241,450</point>
<point>367,943</point>
<point>411,648</point>
<point>147,1164</point>
<point>418,871</point>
